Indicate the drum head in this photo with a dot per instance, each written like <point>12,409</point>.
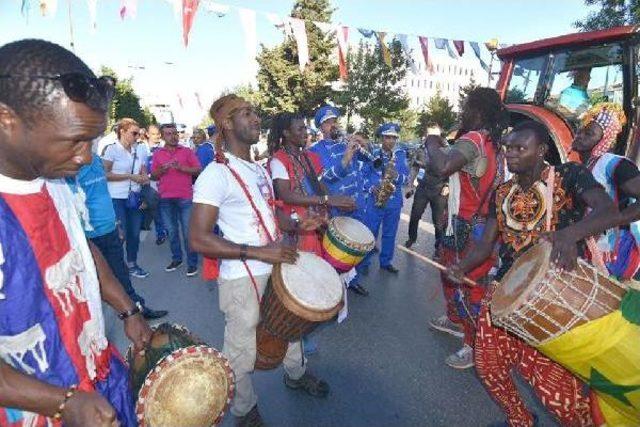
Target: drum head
<point>312,282</point>
<point>353,230</point>
<point>522,278</point>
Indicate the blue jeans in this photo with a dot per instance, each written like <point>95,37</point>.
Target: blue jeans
<point>388,218</point>
<point>130,223</point>
<point>110,247</point>
<point>175,215</point>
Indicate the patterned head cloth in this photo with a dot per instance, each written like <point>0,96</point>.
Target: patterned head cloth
<point>610,117</point>
<point>222,110</point>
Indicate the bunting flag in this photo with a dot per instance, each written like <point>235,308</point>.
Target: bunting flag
<point>300,36</point>
<point>220,10</point>
<point>248,21</point>
<point>198,100</point>
<point>48,7</point>
<point>189,9</point>
<point>404,43</point>
<point>476,50</point>
<point>24,8</point>
<point>367,33</point>
<point>180,98</point>
<point>342,35</point>
<point>459,45</point>
<point>93,15</point>
<point>444,44</point>
<point>129,8</point>
<point>386,54</point>
<point>424,46</point>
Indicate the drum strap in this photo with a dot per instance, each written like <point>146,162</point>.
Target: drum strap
<point>242,184</point>
<point>551,183</point>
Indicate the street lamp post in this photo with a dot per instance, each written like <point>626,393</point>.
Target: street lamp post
<point>492,47</point>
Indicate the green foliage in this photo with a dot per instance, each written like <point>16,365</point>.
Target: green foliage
<point>281,85</point>
<point>515,95</point>
<point>610,13</point>
<point>373,90</point>
<point>464,91</point>
<point>126,103</point>
<point>438,112</point>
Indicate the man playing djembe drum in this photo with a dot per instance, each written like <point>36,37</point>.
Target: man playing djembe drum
<point>237,194</point>
<point>521,212</point>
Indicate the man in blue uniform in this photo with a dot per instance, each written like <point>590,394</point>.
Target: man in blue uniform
<point>206,151</point>
<point>384,186</point>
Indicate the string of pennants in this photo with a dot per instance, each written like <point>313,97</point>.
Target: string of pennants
<point>186,10</point>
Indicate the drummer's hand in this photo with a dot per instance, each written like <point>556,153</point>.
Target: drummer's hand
<point>138,331</point>
<point>88,409</point>
<point>564,254</point>
<point>344,203</point>
<point>277,252</point>
<point>312,223</point>
<point>455,274</point>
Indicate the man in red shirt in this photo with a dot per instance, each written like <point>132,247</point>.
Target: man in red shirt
<point>174,167</point>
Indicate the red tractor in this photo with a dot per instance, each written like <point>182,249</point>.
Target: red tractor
<point>554,81</point>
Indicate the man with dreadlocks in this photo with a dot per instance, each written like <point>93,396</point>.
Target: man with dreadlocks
<point>474,171</point>
<point>618,248</point>
<point>295,173</point>
<point>55,363</point>
<point>566,204</point>
<point>237,194</point>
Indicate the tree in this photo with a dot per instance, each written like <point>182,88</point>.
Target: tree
<point>126,103</point>
<point>437,112</point>
<point>611,13</point>
<point>373,90</point>
<point>464,91</point>
<point>246,91</point>
<point>281,84</point>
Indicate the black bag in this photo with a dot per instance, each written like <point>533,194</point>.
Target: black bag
<point>150,197</point>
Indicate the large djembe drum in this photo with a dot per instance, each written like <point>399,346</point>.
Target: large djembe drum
<point>346,242</point>
<point>584,320</point>
<point>179,380</point>
<point>298,298</point>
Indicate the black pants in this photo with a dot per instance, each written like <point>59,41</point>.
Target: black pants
<point>424,196</point>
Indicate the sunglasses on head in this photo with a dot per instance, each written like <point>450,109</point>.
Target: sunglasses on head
<point>78,86</point>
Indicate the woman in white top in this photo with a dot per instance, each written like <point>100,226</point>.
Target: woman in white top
<point>125,165</point>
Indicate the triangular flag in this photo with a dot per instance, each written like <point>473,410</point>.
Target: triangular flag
<point>129,7</point>
<point>177,9</point>
<point>444,44</point>
<point>218,9</point>
<point>386,54</point>
<point>424,46</point>
<point>300,35</point>
<point>248,21</point>
<point>459,45</point>
<point>198,100</point>
<point>342,35</point>
<point>48,7</point>
<point>404,43</point>
<point>189,9</point>
<point>180,98</point>
<point>93,6</point>
<point>25,7</point>
<point>367,33</point>
<point>476,50</point>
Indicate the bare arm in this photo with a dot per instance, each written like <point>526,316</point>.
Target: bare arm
<point>440,163</point>
<point>108,166</point>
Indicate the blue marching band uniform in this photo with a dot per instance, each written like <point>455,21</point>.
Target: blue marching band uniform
<point>358,180</point>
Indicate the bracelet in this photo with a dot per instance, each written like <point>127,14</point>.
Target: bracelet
<point>243,252</point>
<point>135,310</point>
<point>70,392</point>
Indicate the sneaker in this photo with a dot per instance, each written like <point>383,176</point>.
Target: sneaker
<point>138,272</point>
<point>192,271</point>
<point>161,239</point>
<point>251,419</point>
<point>461,359</point>
<point>308,383</point>
<point>173,266</point>
<point>443,324</point>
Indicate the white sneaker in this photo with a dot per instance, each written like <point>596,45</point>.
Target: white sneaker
<point>443,324</point>
<point>461,359</point>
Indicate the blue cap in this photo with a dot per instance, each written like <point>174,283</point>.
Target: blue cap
<point>211,129</point>
<point>325,113</point>
<point>389,129</point>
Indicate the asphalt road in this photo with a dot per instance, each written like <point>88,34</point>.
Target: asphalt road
<point>384,366</point>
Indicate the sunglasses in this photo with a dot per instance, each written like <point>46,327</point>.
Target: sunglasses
<point>79,87</point>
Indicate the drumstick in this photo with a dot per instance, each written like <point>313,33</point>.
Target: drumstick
<point>434,263</point>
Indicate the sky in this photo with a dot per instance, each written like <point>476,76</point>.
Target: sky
<point>149,47</point>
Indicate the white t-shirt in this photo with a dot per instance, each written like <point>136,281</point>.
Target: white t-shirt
<point>278,171</point>
<point>123,164</point>
<point>216,186</point>
<point>106,140</point>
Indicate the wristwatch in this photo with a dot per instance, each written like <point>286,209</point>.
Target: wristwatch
<point>137,308</point>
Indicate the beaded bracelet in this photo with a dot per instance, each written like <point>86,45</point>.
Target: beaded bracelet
<point>70,392</point>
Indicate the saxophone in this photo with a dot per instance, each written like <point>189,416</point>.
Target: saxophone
<point>387,187</point>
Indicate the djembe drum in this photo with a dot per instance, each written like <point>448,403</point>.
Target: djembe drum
<point>346,242</point>
<point>298,298</point>
<point>179,380</point>
<point>584,320</point>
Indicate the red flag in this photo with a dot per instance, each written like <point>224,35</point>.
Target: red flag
<point>342,54</point>
<point>424,45</point>
<point>459,45</point>
<point>189,9</point>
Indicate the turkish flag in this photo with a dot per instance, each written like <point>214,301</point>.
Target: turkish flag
<point>189,9</point>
